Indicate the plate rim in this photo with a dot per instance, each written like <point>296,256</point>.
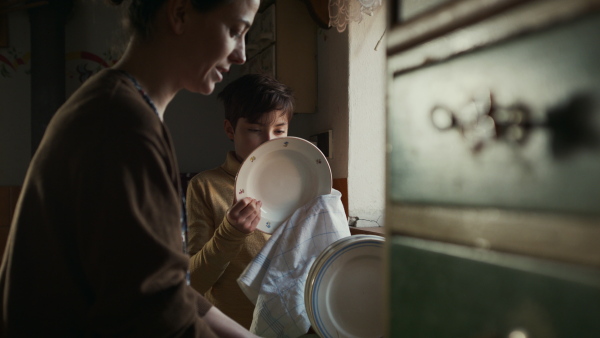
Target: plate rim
<point>266,225</point>
<point>336,249</point>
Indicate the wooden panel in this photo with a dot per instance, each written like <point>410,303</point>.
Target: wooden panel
<point>564,237</point>
<point>442,290</point>
<point>552,163</point>
<point>378,231</point>
<point>292,56</point>
<point>5,207</point>
<point>3,238</point>
<point>525,18</point>
<point>441,19</point>
<point>407,10</point>
<point>296,53</point>
<point>341,185</point>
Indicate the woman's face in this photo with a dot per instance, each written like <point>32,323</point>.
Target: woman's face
<point>248,136</point>
<point>215,41</point>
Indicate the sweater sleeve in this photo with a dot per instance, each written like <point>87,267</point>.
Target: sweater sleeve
<point>211,246</point>
<point>203,305</point>
<point>131,247</point>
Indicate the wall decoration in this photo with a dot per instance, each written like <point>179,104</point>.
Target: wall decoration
<point>12,61</point>
<point>262,63</point>
<point>86,64</point>
<point>263,32</point>
<point>341,12</point>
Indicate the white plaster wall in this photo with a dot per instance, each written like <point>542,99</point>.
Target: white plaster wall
<point>332,103</point>
<point>351,102</point>
<point>367,116</point>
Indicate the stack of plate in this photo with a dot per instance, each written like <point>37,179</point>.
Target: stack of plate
<point>344,289</point>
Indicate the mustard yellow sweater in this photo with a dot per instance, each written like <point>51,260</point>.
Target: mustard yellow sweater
<point>219,252</point>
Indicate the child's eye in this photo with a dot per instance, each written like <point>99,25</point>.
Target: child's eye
<point>280,131</point>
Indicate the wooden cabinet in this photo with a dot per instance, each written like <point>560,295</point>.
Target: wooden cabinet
<point>494,171</point>
<point>446,290</point>
<point>283,43</point>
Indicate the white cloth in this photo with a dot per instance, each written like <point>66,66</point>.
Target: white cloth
<point>274,280</point>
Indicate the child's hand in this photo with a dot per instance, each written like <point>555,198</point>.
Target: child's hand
<point>244,215</point>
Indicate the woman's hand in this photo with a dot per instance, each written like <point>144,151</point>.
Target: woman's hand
<point>244,215</point>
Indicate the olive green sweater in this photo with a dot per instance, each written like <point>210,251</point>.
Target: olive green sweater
<point>219,252</point>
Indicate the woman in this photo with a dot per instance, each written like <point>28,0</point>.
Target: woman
<point>95,247</point>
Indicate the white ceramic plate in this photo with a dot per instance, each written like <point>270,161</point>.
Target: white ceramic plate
<point>284,174</point>
<point>344,291</point>
<point>315,267</point>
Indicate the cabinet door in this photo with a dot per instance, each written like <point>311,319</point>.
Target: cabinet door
<point>444,290</point>
<point>283,44</point>
<point>515,125</point>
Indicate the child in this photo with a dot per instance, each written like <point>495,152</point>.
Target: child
<point>221,236</point>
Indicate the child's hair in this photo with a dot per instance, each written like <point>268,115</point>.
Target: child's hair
<point>253,95</point>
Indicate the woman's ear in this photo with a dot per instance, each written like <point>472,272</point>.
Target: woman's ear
<point>176,10</point>
<point>229,129</point>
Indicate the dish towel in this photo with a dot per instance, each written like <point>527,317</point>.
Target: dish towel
<point>274,280</point>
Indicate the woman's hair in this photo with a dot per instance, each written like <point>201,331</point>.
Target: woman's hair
<point>141,13</point>
<point>252,96</point>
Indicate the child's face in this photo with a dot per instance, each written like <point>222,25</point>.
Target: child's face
<point>248,136</point>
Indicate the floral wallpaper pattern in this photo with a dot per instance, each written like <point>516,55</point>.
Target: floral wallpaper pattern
<point>13,61</point>
<point>80,64</point>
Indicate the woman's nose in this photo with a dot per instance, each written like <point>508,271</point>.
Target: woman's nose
<point>238,55</point>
